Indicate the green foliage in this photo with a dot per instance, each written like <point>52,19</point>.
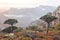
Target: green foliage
<point>48,18</point>
<point>11,21</point>
<point>19,29</point>
<point>58,26</point>
<point>8,30</point>
<point>51,28</point>
<point>34,28</point>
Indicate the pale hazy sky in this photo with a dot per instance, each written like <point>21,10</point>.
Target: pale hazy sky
<point>27,3</point>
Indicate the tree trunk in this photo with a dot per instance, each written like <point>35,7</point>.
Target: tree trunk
<point>11,29</point>
<point>47,28</point>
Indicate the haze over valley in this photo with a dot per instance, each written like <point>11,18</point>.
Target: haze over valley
<point>24,16</point>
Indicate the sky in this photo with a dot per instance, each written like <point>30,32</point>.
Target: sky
<point>27,3</point>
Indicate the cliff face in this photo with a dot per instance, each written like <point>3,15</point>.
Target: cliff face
<point>40,23</point>
<point>56,13</point>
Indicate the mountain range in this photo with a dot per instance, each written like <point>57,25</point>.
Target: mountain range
<point>24,16</point>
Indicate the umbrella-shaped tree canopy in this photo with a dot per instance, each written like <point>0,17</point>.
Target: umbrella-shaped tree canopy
<point>48,18</point>
<point>11,21</point>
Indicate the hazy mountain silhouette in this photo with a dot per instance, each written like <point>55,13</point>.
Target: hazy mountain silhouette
<point>27,15</point>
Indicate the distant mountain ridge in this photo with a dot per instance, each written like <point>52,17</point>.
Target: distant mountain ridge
<point>27,15</point>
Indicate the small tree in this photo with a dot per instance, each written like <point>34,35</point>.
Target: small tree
<point>48,19</point>
<point>19,29</point>
<point>8,29</point>
<point>11,22</point>
<point>33,27</point>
